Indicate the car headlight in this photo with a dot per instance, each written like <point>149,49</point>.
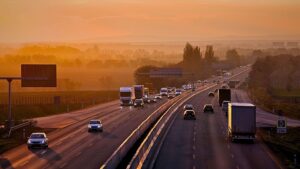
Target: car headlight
<point>43,141</point>
<point>99,126</point>
<point>89,126</point>
<point>29,141</point>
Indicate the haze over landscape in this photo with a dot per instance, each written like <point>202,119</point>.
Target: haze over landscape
<point>147,20</point>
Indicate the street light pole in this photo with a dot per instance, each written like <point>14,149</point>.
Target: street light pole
<point>9,80</point>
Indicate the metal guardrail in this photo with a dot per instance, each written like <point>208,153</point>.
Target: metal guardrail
<point>118,155</point>
<point>25,124</point>
<point>154,136</point>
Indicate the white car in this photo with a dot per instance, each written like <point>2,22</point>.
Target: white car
<point>37,140</point>
<point>178,92</point>
<point>95,125</point>
<point>158,96</point>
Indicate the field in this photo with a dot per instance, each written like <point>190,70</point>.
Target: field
<point>36,104</point>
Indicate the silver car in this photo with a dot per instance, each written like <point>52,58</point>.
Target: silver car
<point>37,140</point>
<point>95,125</point>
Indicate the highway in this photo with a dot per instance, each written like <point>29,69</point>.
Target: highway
<point>72,146</point>
<point>203,143</point>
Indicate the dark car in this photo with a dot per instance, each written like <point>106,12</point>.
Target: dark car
<point>37,140</point>
<point>189,115</point>
<point>208,108</point>
<point>211,94</point>
<point>152,99</point>
<point>138,103</point>
<point>188,107</point>
<point>225,106</point>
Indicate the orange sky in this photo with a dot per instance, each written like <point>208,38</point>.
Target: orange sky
<point>147,20</point>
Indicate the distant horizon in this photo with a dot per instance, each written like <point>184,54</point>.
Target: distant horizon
<point>34,21</point>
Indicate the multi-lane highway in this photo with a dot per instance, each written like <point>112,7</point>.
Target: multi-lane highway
<point>200,144</point>
<point>204,144</point>
<point>72,146</point>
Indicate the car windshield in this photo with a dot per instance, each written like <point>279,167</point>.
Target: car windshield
<point>95,122</point>
<point>37,136</point>
<point>125,94</point>
<point>138,101</point>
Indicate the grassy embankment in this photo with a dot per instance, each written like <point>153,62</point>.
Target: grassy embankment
<point>285,146</point>
<point>37,104</point>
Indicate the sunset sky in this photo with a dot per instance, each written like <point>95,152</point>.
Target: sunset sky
<point>147,20</point>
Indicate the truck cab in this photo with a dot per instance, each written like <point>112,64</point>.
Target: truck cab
<point>126,96</point>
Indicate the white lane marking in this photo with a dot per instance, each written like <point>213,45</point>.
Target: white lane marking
<point>237,167</point>
<point>232,156</point>
<point>23,163</point>
<point>43,152</point>
<point>58,143</point>
<point>194,147</point>
<point>63,165</point>
<point>194,167</point>
<point>228,146</point>
<point>194,157</point>
<point>77,154</point>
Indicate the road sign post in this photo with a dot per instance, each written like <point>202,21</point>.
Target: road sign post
<point>32,75</point>
<point>281,125</point>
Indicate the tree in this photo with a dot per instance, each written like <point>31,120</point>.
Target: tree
<point>209,55</point>
<point>233,58</point>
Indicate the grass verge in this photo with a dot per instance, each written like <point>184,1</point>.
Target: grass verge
<point>284,146</point>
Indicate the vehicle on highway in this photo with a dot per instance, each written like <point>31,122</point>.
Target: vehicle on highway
<point>37,140</point>
<point>188,107</point>
<point>126,96</point>
<point>95,125</point>
<point>171,95</point>
<point>224,94</point>
<point>211,94</point>
<point>158,96</point>
<point>138,103</point>
<point>164,91</point>
<point>208,108</point>
<point>241,121</point>
<point>189,115</point>
<point>225,106</point>
<point>178,92</point>
<point>152,99</point>
<point>146,99</point>
<point>138,91</point>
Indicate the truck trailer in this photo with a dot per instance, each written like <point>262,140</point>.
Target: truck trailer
<point>138,91</point>
<point>224,94</point>
<point>241,121</point>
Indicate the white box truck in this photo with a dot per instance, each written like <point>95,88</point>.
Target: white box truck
<point>126,96</point>
<point>241,121</point>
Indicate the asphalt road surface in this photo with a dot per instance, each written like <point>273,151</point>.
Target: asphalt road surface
<point>204,144</point>
<point>72,146</point>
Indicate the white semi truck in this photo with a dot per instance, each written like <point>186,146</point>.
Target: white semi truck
<point>241,121</point>
<point>126,96</point>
